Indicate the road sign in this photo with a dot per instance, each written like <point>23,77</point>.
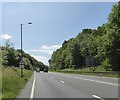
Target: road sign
<point>90,61</point>
<point>21,64</point>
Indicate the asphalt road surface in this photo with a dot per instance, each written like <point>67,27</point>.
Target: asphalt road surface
<point>59,85</point>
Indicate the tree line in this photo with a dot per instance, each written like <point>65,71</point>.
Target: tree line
<point>92,47</point>
<point>11,57</point>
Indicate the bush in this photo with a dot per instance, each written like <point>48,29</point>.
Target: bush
<point>106,65</point>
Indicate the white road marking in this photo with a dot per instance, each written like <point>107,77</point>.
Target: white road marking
<point>99,77</point>
<point>114,84</point>
<point>33,87</point>
<point>97,81</point>
<point>95,96</point>
<point>62,81</point>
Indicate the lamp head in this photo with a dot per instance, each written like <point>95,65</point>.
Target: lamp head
<point>30,23</point>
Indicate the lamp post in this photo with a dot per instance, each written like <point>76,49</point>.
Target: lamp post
<point>21,64</point>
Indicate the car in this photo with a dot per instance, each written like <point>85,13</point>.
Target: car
<point>37,69</point>
<point>45,70</point>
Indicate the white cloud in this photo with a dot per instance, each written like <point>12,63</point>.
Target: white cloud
<point>43,50</point>
<point>46,49</point>
<point>49,52</point>
<point>43,59</point>
<point>5,36</point>
<point>53,47</point>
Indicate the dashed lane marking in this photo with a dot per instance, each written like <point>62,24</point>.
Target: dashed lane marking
<point>62,81</point>
<point>95,96</point>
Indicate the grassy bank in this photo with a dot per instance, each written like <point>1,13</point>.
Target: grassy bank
<point>95,71</point>
<point>12,83</point>
<point>0,83</point>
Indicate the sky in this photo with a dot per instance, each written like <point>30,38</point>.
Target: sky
<point>52,23</point>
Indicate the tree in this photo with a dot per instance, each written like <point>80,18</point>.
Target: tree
<point>4,54</point>
<point>11,57</point>
<point>77,58</point>
<point>113,29</point>
<point>101,45</point>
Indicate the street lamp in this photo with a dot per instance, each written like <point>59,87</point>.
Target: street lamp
<point>21,62</point>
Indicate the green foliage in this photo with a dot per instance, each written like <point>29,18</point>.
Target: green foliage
<point>13,82</point>
<point>101,44</point>
<point>11,57</point>
<point>4,54</point>
<point>106,65</point>
<point>113,29</point>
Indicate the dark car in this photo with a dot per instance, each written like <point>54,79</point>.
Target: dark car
<point>45,70</point>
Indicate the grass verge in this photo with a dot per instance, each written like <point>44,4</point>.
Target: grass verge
<point>0,83</point>
<point>12,82</point>
<point>94,71</point>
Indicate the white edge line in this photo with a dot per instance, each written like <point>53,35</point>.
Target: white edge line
<point>100,77</point>
<point>114,84</point>
<point>95,96</point>
<point>97,81</point>
<point>33,87</point>
<point>62,81</point>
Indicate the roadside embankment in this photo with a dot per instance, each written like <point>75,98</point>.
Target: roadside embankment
<point>12,82</point>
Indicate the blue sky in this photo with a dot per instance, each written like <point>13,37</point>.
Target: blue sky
<point>52,23</point>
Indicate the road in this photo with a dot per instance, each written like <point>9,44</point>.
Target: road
<point>59,85</point>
